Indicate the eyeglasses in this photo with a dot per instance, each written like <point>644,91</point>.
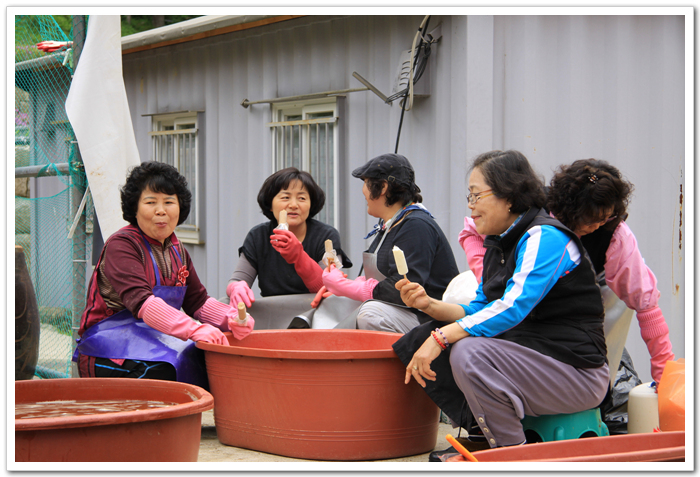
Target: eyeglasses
<point>602,222</point>
<point>474,198</point>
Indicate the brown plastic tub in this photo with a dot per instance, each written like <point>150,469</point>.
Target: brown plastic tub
<point>647,447</point>
<point>166,434</point>
<point>318,394</point>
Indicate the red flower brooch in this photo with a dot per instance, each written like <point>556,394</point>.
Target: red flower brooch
<point>182,275</point>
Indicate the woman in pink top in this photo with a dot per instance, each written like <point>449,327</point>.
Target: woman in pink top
<point>591,197</point>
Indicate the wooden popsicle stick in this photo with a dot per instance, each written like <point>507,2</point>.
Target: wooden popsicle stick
<point>329,250</point>
<point>283,217</point>
<point>242,314</point>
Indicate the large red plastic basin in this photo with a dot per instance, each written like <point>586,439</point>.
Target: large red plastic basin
<point>647,447</point>
<point>167,434</point>
<point>318,394</point>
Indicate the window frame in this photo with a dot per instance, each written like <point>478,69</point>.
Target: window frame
<point>279,112</point>
<point>186,233</point>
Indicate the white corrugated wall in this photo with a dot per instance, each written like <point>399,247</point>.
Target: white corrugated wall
<point>612,88</point>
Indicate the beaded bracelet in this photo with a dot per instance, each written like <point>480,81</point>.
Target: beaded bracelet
<point>438,341</point>
<point>447,343</point>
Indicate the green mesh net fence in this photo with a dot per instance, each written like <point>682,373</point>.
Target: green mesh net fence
<point>56,238</point>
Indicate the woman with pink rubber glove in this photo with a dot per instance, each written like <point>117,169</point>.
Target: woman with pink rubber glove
<point>590,197</point>
<point>285,260</point>
<point>394,198</point>
<point>137,322</point>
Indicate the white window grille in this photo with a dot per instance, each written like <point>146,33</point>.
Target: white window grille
<point>174,141</point>
<point>305,136</point>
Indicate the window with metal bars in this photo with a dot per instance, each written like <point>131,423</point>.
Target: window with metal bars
<point>174,141</point>
<point>305,136</point>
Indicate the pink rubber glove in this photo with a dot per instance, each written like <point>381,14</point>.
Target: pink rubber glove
<point>215,313</point>
<point>240,292</point>
<point>654,332</point>
<point>359,289</point>
<point>209,334</point>
<point>322,293</point>
<point>473,244</point>
<point>240,331</point>
<point>287,244</point>
<point>162,317</point>
<point>224,317</point>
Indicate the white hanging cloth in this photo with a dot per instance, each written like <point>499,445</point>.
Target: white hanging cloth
<point>99,114</point>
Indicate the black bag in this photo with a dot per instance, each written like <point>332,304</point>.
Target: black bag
<point>614,407</point>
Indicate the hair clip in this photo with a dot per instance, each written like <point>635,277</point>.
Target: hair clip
<point>593,178</point>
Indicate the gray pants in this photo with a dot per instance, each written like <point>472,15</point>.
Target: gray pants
<point>379,316</point>
<point>503,381</point>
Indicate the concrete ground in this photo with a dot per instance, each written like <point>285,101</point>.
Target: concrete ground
<point>211,450</point>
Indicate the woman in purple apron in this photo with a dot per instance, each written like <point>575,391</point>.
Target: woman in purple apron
<point>144,290</point>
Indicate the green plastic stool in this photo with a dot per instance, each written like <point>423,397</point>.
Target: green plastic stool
<point>560,427</point>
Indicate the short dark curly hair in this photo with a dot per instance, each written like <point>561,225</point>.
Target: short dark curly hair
<point>159,177</point>
<point>280,180</point>
<point>395,191</point>
<point>511,177</point>
<point>586,190</point>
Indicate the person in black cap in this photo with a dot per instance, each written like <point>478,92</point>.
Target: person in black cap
<point>394,198</point>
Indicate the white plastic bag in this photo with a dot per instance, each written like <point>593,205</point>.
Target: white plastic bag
<point>334,256</point>
<point>462,289</point>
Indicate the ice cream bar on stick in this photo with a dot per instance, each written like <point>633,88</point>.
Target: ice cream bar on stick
<point>400,261</point>
<point>329,252</point>
<point>242,314</point>
<point>282,222</point>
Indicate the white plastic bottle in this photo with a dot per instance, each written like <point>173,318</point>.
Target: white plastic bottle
<point>643,409</point>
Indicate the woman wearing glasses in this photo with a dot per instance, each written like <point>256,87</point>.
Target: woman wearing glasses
<point>590,197</point>
<point>531,342</point>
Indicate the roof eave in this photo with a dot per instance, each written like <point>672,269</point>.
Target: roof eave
<point>196,29</point>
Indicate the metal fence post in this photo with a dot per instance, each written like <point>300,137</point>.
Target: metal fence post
<point>79,28</point>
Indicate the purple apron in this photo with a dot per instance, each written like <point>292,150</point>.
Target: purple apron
<point>121,336</point>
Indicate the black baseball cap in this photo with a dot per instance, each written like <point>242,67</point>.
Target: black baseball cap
<point>388,167</point>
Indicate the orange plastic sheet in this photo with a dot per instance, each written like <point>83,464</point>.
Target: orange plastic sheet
<point>672,397</point>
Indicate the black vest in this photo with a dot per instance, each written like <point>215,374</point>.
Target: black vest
<point>560,319</point>
<point>567,324</point>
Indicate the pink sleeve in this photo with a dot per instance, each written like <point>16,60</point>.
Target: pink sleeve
<point>473,244</point>
<point>635,284</point>
<point>626,273</point>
